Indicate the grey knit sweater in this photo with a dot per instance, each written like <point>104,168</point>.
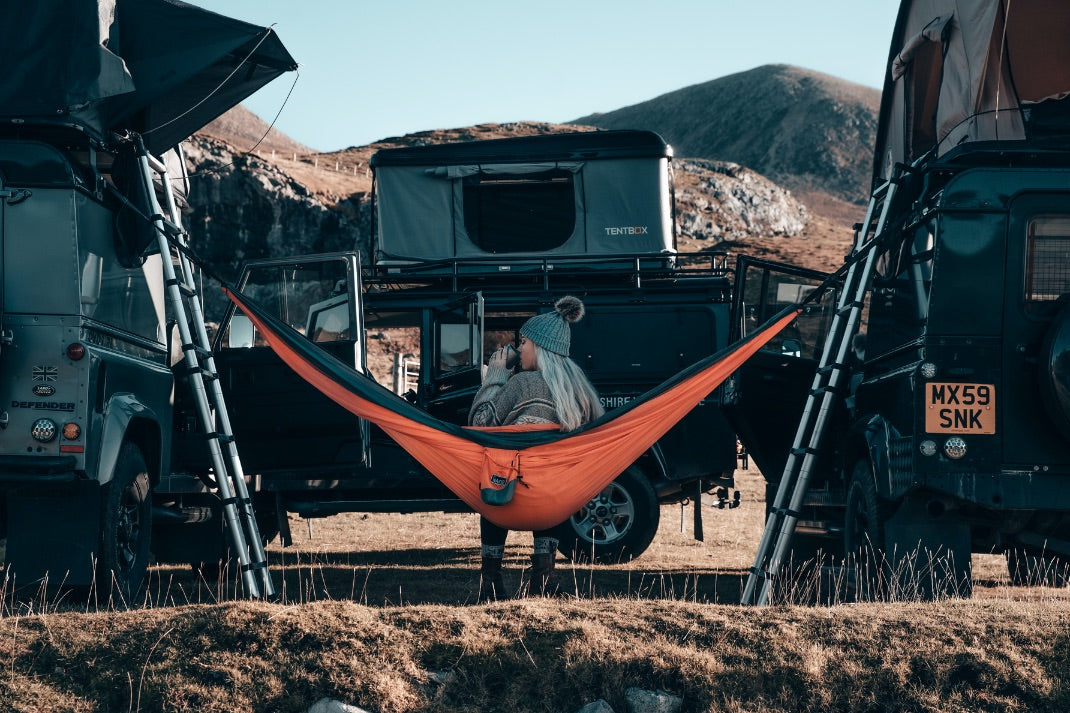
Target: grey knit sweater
<point>503,401</point>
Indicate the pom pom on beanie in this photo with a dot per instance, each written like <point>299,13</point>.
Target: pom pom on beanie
<point>570,308</point>
<point>551,330</point>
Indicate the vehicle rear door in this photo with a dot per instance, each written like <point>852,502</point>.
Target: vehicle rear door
<point>1033,402</point>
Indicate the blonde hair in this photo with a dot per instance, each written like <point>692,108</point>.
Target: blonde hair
<point>574,398</point>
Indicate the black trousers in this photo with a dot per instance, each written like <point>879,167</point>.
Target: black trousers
<point>491,534</point>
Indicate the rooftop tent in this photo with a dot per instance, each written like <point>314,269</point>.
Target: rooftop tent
<point>961,71</point>
<point>162,68</point>
<point>575,195</point>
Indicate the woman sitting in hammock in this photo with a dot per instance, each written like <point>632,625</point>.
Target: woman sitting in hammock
<point>548,388</point>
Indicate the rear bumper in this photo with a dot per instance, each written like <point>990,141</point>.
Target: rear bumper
<point>17,471</point>
<point>1005,490</point>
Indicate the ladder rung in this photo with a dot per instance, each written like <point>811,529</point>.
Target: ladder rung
<point>200,351</point>
<point>827,389</point>
<point>184,287</point>
<point>803,451</point>
<point>254,565</point>
<point>788,511</point>
<point>169,227</point>
<point>829,368</point>
<point>183,370</point>
<point>154,163</point>
<point>221,437</point>
<point>846,309</point>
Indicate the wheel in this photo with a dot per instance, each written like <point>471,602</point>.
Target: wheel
<point>617,525</point>
<point>126,524</point>
<point>1054,363</point>
<point>1030,568</point>
<point>863,533</point>
<point>267,517</point>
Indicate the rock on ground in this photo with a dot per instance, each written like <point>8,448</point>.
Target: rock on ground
<point>599,706</point>
<point>640,701</point>
<point>326,705</point>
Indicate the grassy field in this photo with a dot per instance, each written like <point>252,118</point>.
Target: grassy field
<point>377,610</point>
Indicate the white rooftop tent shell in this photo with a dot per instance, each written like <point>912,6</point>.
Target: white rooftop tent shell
<point>972,70</point>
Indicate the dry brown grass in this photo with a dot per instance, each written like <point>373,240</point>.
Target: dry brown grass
<point>377,610</point>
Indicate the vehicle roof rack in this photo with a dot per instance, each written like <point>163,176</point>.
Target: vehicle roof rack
<point>633,269</point>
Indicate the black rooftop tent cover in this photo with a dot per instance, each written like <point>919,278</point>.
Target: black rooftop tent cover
<point>962,71</point>
<point>573,146</point>
<point>162,68</point>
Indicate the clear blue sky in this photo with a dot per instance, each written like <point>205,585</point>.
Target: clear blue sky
<point>370,69</point>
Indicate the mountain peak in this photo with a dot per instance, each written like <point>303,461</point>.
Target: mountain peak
<point>242,129</point>
<point>803,128</point>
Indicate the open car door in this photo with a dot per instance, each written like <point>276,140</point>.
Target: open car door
<point>765,398</point>
<point>279,420</point>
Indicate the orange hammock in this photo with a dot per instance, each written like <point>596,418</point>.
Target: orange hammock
<point>558,472</point>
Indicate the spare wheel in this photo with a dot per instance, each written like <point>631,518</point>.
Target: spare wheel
<point>1054,365</point>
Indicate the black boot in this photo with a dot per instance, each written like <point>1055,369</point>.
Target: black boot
<point>543,580</point>
<point>491,587</point>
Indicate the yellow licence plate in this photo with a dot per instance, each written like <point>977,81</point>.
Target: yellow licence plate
<point>960,408</point>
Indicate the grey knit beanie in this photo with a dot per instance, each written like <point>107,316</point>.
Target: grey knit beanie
<point>550,330</point>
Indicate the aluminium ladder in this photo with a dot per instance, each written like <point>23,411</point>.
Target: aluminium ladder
<point>183,297</point>
<point>827,386</point>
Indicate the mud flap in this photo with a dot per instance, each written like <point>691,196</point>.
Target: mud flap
<point>699,536</point>
<point>53,535</point>
<point>929,554</point>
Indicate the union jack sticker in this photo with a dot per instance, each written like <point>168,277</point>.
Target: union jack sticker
<point>45,373</point>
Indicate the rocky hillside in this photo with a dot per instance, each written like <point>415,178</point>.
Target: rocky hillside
<point>805,130</point>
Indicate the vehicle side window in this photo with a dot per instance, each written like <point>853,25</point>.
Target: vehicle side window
<point>328,320</point>
<point>1047,275</point>
<point>455,346</point>
<point>767,291</point>
<point>115,295</point>
<point>393,348</point>
<point>28,163</point>
<point>313,298</point>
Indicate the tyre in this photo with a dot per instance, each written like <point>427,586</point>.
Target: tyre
<point>1031,568</point>
<point>1054,359</point>
<point>863,534</point>
<point>617,525</point>
<point>126,525</point>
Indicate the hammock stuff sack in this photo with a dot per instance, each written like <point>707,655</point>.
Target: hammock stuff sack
<point>557,472</point>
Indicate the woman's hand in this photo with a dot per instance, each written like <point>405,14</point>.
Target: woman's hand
<point>499,357</point>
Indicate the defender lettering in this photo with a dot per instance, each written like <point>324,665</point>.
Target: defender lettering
<point>45,405</point>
